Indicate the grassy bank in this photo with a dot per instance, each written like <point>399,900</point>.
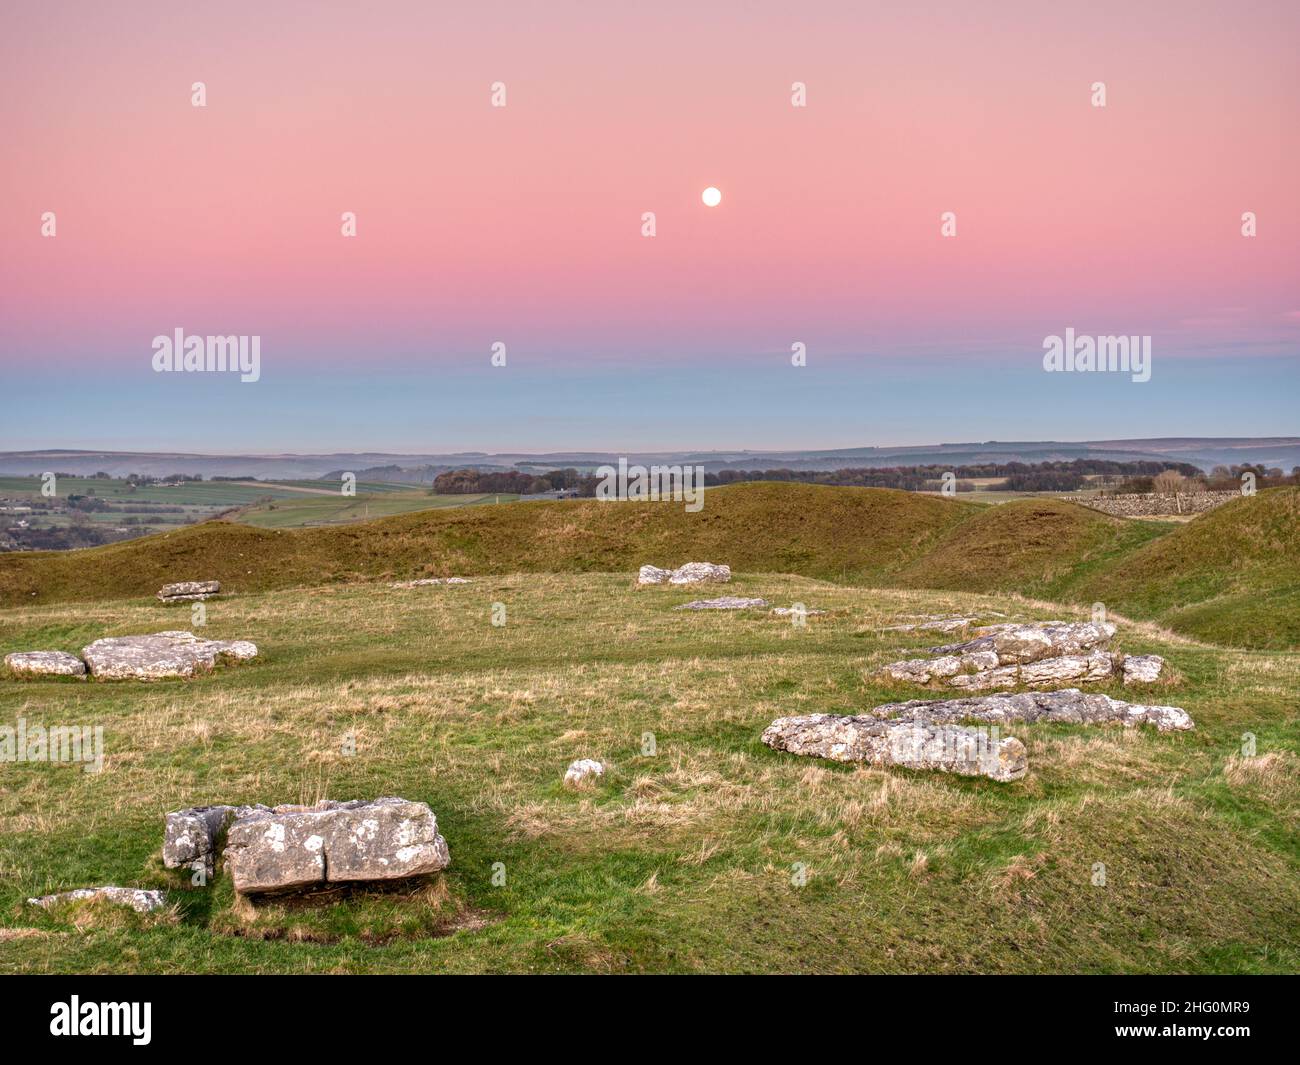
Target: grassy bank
<point>680,860</point>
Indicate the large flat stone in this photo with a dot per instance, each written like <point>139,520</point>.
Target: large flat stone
<point>1069,705</point>
<point>45,664</point>
<point>293,848</point>
<point>1021,643</point>
<point>938,733</point>
<point>161,655</point>
<point>723,602</point>
<point>948,749</point>
<point>139,899</point>
<point>188,591</point>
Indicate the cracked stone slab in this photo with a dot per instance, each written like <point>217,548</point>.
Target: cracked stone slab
<point>1069,705</point>
<point>1018,643</point>
<point>723,602</point>
<point>188,591</point>
<point>139,899</point>
<point>790,611</point>
<point>1035,654</point>
<point>912,745</point>
<point>193,838</point>
<point>936,734</point>
<point>294,848</point>
<point>45,664</point>
<point>164,654</point>
<point>1143,669</point>
<point>425,582</point>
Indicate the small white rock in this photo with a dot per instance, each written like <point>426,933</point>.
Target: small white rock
<point>582,770</point>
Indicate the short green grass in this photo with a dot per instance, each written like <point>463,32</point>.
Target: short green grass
<point>1241,563</point>
<point>680,860</point>
<point>366,505</point>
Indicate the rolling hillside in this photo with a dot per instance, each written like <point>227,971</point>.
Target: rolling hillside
<point>1231,576</point>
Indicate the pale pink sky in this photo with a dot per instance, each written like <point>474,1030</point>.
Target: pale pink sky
<point>522,224</point>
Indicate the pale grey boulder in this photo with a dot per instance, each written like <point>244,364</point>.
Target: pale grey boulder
<point>188,591</point>
<point>1143,669</point>
<point>45,664</point>
<point>690,573</point>
<point>959,736</point>
<point>653,575</point>
<point>161,655</point>
<point>913,745</point>
<point>139,899</point>
<point>700,573</point>
<point>1021,643</point>
<point>944,667</point>
<point>1009,655</point>
<point>1089,667</point>
<point>1069,705</point>
<point>723,602</point>
<point>987,679</point>
<point>794,611</point>
<point>193,838</point>
<point>360,842</point>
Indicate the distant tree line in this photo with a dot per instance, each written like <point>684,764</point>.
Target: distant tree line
<point>519,482</point>
<point>1220,479</point>
<point>1058,476</point>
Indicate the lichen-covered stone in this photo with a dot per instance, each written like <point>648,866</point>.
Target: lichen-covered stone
<point>139,899</point>
<point>161,655</point>
<point>188,591</point>
<point>425,582</point>
<point>1143,669</point>
<point>192,838</point>
<point>1014,654</point>
<point>1069,705</point>
<point>293,848</point>
<point>938,734</point>
<point>723,602</point>
<point>914,745</point>
<point>1019,644</point>
<point>653,575</point>
<point>700,573</point>
<point>45,664</point>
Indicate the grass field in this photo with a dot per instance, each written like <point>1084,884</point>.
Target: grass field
<point>678,861</point>
<point>280,505</point>
<point>1237,557</point>
<point>333,509</point>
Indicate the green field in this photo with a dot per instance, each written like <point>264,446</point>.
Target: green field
<point>303,510</point>
<point>685,856</point>
<point>1244,553</point>
<point>681,860</point>
<point>278,505</point>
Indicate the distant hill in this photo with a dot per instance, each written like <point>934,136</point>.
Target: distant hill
<point>1231,576</point>
<point>1205,452</point>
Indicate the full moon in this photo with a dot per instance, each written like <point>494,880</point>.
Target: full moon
<point>711,197</point>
